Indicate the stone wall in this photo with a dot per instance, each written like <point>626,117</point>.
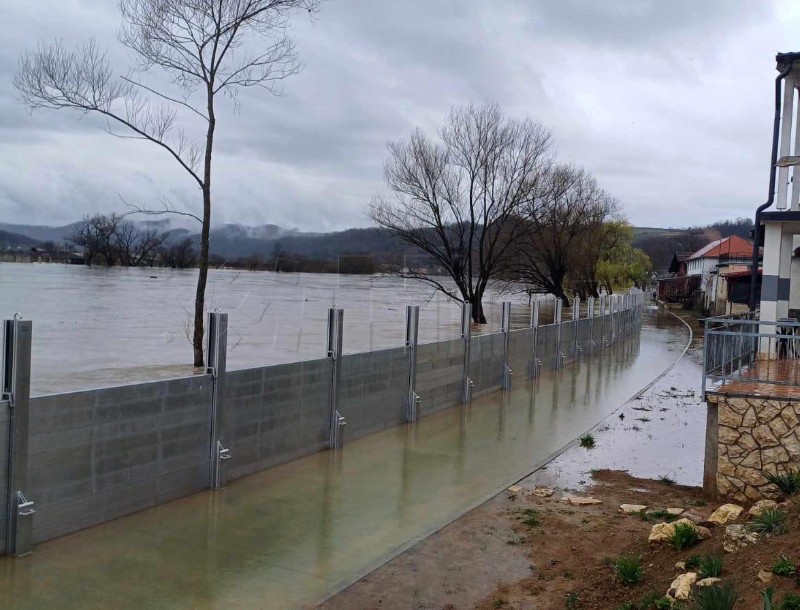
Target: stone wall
<point>756,436</point>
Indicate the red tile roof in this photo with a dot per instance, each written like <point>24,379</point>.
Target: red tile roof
<point>733,246</point>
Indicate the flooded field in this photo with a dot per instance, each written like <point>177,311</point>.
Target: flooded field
<point>292,535</point>
<point>96,327</point>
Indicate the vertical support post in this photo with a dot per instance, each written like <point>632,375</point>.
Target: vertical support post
<point>603,300</point>
<point>216,358</point>
<point>590,315</point>
<point>335,334</point>
<point>535,362</point>
<point>576,316</point>
<point>412,335</point>
<point>466,336</point>
<point>557,320</point>
<point>505,328</point>
<point>16,389</point>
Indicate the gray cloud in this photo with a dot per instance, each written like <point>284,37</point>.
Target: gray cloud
<point>667,103</point>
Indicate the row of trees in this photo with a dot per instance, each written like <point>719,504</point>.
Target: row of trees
<point>489,203</point>
<point>111,240</point>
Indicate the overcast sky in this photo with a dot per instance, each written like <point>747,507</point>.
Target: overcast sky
<point>669,104</point>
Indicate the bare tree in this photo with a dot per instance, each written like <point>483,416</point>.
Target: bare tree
<point>458,200</point>
<point>136,246</point>
<point>561,220</point>
<point>97,236</point>
<point>180,254</point>
<point>203,46</point>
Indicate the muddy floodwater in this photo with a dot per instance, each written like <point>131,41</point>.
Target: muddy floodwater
<point>295,534</point>
<point>97,327</point>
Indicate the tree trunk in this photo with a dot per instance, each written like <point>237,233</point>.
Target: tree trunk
<point>478,316</point>
<point>202,278</point>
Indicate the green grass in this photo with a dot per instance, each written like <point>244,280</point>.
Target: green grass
<point>784,567</point>
<point>665,603</point>
<point>770,521</point>
<point>572,602</point>
<point>767,596</point>
<point>587,441</point>
<point>790,602</point>
<point>787,482</point>
<point>693,562</point>
<point>627,606</point>
<point>629,570</point>
<point>716,597</point>
<point>684,536</point>
<point>710,566</point>
<point>529,517</point>
<point>666,479</point>
<point>658,515</point>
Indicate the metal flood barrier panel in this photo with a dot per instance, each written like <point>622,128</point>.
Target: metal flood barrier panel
<point>440,373</point>
<point>486,362</point>
<point>520,353</point>
<point>373,391</point>
<point>276,414</point>
<point>100,454</point>
<point>4,419</point>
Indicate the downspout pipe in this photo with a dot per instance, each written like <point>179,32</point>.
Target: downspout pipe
<point>771,197</point>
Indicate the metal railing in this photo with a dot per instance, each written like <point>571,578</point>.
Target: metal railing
<point>743,349</point>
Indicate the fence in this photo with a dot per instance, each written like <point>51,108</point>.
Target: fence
<point>740,350</point>
<point>73,460</point>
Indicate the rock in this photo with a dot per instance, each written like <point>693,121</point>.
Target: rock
<point>515,489</point>
<point>764,436</point>
<point>707,582</point>
<point>675,511</point>
<point>765,576</point>
<point>542,492</point>
<point>759,507</point>
<point>681,565</point>
<point>703,532</point>
<point>578,501</point>
<point>738,536</point>
<point>662,532</point>
<point>729,436</point>
<point>681,587</point>
<point>725,513</point>
<point>632,509</point>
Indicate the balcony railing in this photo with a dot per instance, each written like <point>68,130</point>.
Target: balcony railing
<point>747,357</point>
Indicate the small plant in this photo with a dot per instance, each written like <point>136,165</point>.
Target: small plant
<point>572,602</point>
<point>784,567</point>
<point>665,603</point>
<point>627,606</point>
<point>693,562</point>
<point>587,441</point>
<point>649,600</point>
<point>660,515</point>
<point>766,596</point>
<point>629,570</point>
<point>499,602</point>
<point>666,479</point>
<point>716,597</point>
<point>790,602</point>
<point>770,521</point>
<point>529,517</point>
<point>710,566</point>
<point>787,482</point>
<point>684,536</point>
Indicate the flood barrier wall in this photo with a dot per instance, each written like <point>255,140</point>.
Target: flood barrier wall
<point>96,455</point>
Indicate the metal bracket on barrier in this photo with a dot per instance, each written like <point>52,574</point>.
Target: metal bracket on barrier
<point>466,335</point>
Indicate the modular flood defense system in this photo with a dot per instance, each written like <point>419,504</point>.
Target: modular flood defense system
<point>73,460</point>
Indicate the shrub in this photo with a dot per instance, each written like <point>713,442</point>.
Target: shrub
<point>770,521</point>
<point>665,603</point>
<point>587,441</point>
<point>709,566</point>
<point>627,606</point>
<point>693,562</point>
<point>529,518</point>
<point>784,567</point>
<point>660,515</point>
<point>629,570</point>
<point>684,536</point>
<point>766,596</point>
<point>716,597</point>
<point>666,479</point>
<point>790,602</point>
<point>572,602</point>
<point>787,482</point>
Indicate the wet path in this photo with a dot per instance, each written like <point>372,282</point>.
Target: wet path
<point>292,535</point>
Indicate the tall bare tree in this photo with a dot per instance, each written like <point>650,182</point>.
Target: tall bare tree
<point>96,235</point>
<point>137,246</point>
<point>178,254</point>
<point>566,212</point>
<point>458,200</point>
<point>207,48</point>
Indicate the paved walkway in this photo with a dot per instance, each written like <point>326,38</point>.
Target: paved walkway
<point>291,536</point>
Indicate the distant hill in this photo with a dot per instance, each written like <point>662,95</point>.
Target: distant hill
<point>41,233</point>
<point>15,241</point>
